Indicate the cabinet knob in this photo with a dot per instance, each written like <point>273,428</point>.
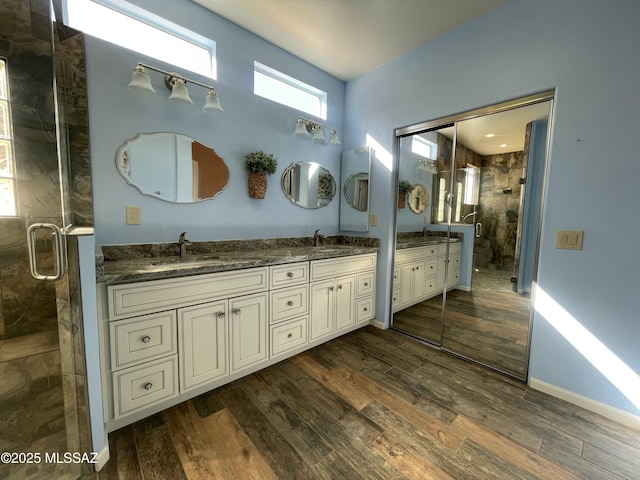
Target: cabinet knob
<point>220,314</point>
<point>365,309</point>
<point>339,287</point>
<point>290,303</point>
<point>417,268</point>
<point>236,311</point>
<point>331,289</point>
<point>146,339</point>
<point>148,386</point>
<point>290,335</point>
<point>366,284</point>
<point>290,274</point>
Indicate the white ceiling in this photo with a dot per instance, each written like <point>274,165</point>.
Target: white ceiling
<point>347,38</point>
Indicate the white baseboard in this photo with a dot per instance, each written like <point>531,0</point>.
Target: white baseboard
<point>377,324</point>
<point>102,458</point>
<point>612,413</point>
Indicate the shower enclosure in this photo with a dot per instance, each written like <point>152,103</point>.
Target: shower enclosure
<point>485,180</point>
<point>45,196</point>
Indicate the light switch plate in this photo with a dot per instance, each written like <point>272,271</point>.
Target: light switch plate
<point>373,220</point>
<point>133,215</point>
<point>569,239</point>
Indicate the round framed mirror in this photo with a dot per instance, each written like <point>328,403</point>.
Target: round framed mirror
<point>418,199</point>
<point>356,191</point>
<point>308,184</point>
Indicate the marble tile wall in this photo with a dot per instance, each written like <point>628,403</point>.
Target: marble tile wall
<point>43,394</point>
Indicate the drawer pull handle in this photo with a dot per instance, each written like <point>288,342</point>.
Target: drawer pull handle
<point>290,335</point>
<point>290,274</point>
<point>236,311</point>
<point>290,303</point>
<point>146,339</point>
<point>148,386</point>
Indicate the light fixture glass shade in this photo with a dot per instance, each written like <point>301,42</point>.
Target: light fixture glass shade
<point>301,129</point>
<point>333,138</point>
<point>140,82</point>
<point>212,103</point>
<point>318,135</point>
<point>180,93</point>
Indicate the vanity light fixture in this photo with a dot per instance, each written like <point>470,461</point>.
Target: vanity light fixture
<point>141,84</point>
<point>305,127</point>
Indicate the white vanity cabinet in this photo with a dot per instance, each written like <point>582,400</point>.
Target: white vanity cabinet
<point>341,294</point>
<point>419,273</point>
<point>165,341</point>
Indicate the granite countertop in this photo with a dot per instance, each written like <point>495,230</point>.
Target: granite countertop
<point>417,239</point>
<point>130,263</point>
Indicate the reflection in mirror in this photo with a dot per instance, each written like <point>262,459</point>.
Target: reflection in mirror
<point>356,191</point>
<point>474,298</point>
<point>308,184</point>
<point>418,199</point>
<point>172,167</point>
<point>354,204</point>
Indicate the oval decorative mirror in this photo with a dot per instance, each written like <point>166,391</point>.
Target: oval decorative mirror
<point>308,184</point>
<point>172,167</point>
<point>418,199</point>
<point>356,191</point>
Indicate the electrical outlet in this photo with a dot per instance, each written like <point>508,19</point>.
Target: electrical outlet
<point>373,220</point>
<point>569,239</point>
<point>133,215</point>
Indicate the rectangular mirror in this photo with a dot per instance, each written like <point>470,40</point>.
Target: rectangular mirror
<point>354,201</point>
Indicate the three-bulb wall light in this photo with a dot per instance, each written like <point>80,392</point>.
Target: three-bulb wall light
<point>305,127</point>
<point>141,83</point>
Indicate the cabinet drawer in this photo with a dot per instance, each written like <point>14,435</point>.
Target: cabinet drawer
<point>431,251</point>
<point>139,387</point>
<point>133,299</point>
<point>289,274</point>
<point>289,302</point>
<point>289,335</point>
<point>430,286</point>
<point>430,268</point>
<point>142,339</point>
<point>410,254</point>
<point>366,284</point>
<point>334,267</point>
<point>365,309</point>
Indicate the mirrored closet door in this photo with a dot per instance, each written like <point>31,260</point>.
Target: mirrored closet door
<point>464,266</point>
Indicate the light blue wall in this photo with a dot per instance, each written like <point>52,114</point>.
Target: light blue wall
<point>588,51</point>
<point>248,123</point>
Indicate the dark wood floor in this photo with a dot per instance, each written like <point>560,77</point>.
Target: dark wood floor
<point>488,324</point>
<point>374,404</point>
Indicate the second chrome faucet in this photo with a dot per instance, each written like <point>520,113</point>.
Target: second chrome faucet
<point>317,236</point>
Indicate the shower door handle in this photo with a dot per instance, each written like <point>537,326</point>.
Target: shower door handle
<point>59,246</point>
<point>478,230</point>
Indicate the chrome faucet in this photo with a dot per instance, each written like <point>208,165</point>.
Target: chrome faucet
<point>317,236</point>
<point>182,244</point>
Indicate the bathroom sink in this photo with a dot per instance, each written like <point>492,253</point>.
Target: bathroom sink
<point>184,261</point>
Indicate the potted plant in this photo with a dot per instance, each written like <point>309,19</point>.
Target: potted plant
<point>404,188</point>
<point>259,165</point>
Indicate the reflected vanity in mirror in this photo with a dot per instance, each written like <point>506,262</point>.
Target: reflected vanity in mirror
<point>418,199</point>
<point>308,184</point>
<point>172,167</point>
<point>464,271</point>
<point>354,202</point>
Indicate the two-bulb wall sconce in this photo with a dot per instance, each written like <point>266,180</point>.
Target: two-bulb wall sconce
<point>305,127</point>
<point>141,84</point>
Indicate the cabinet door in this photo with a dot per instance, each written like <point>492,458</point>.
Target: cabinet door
<point>322,308</point>
<point>345,302</point>
<point>203,344</point>
<point>407,276</point>
<point>417,285</point>
<point>248,330</point>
